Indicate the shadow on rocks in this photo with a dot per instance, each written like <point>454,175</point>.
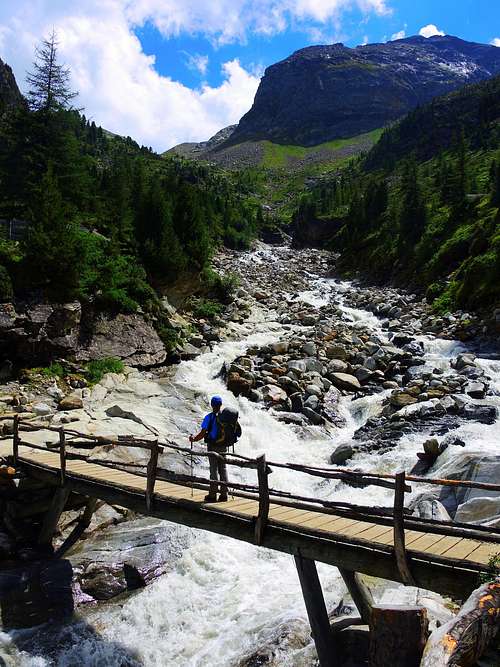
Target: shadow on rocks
<point>37,609</point>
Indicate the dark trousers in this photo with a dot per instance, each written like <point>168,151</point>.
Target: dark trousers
<point>218,471</point>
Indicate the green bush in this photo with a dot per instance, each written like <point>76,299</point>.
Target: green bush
<point>54,370</point>
<point>206,308</point>
<point>168,336</point>
<point>97,369</point>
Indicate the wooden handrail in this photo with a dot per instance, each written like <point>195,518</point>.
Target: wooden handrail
<point>347,475</point>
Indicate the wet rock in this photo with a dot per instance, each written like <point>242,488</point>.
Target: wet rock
<point>431,447</point>
<point>273,394</point>
<point>345,381</point>
<point>479,510</point>
<point>290,418</point>
<point>475,389</point>
<point>341,454</point>
<point>427,506</point>
<point>297,402</point>
<point>313,416</point>
<point>241,386</point>
<point>462,361</point>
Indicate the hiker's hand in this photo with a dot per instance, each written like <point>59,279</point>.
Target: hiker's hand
<point>191,438</point>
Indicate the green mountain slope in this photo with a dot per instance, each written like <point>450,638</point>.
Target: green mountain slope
<point>422,208</point>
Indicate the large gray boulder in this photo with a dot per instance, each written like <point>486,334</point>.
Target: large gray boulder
<point>473,466</point>
<point>345,381</point>
<point>128,337</point>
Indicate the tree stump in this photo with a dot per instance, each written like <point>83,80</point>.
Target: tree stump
<point>398,635</point>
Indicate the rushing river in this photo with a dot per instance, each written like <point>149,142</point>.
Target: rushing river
<point>223,599</point>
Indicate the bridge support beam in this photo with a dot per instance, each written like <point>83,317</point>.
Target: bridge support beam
<point>316,611</point>
<point>51,518</point>
<point>360,593</point>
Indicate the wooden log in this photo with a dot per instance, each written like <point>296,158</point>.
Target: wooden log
<point>15,440</point>
<point>316,612</point>
<point>151,475</point>
<point>360,593</point>
<point>399,532</point>
<point>262,517</point>
<point>463,640</point>
<point>62,455</point>
<point>398,635</point>
<point>50,520</point>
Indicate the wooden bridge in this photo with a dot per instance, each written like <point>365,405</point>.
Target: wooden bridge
<point>384,542</point>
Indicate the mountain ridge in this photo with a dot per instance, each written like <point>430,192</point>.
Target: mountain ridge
<point>338,91</point>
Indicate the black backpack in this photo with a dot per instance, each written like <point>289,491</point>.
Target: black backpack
<point>228,428</point>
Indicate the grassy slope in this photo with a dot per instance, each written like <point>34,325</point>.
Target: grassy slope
<point>457,259</point>
<point>323,156</point>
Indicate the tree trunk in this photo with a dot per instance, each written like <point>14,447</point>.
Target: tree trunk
<point>398,635</point>
<point>462,641</point>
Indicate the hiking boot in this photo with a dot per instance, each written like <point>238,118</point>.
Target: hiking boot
<point>210,499</point>
<point>223,498</point>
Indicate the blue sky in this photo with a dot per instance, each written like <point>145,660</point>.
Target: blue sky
<point>168,71</point>
<point>177,56</point>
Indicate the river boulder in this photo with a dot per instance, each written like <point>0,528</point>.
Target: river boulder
<point>345,381</point>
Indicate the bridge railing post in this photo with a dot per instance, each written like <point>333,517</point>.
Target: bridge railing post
<point>62,455</point>
<point>262,517</point>
<point>15,440</point>
<point>399,531</point>
<point>151,474</point>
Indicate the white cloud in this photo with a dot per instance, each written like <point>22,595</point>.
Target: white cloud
<point>231,20</point>
<point>197,62</point>
<point>430,30</point>
<point>118,83</point>
<point>496,41</point>
<point>398,35</point>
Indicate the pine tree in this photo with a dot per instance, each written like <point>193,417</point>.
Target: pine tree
<point>53,249</point>
<point>49,81</point>
<point>495,184</point>
<point>413,212</point>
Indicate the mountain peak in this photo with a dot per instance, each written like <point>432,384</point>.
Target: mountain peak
<point>320,93</point>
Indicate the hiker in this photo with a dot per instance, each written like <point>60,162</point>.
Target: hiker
<point>220,430</point>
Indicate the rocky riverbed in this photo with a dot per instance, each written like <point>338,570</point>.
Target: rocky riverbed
<point>322,371</point>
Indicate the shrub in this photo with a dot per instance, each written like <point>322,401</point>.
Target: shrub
<point>168,336</point>
<point>54,370</point>
<point>97,369</point>
<point>205,308</point>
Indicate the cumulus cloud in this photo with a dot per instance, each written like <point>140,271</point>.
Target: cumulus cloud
<point>495,41</point>
<point>231,20</point>
<point>430,30</point>
<point>398,35</point>
<point>118,83</point>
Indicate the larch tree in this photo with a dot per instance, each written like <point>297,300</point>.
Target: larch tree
<point>49,88</point>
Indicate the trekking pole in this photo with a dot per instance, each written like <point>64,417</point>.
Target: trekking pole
<point>192,488</point>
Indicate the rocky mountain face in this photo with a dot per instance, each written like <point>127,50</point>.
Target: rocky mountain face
<point>10,95</point>
<point>321,93</point>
